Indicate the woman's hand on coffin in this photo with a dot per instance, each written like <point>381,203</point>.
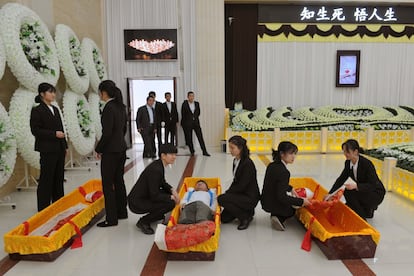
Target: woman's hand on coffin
<point>351,186</point>
<point>306,202</point>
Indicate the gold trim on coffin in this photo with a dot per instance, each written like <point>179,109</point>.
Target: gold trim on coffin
<point>16,242</point>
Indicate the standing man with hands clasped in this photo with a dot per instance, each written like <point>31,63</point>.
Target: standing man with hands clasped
<point>170,119</point>
<point>190,111</point>
<point>145,120</point>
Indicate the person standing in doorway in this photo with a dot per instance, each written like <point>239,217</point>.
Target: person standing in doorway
<point>146,126</point>
<point>159,118</point>
<point>190,113</point>
<point>47,127</point>
<point>170,119</point>
<point>111,149</point>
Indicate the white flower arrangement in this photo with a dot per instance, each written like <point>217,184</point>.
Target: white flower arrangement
<point>336,118</point>
<point>2,58</point>
<point>69,52</point>
<point>94,103</point>
<point>21,105</point>
<point>7,147</point>
<point>94,63</point>
<point>30,49</point>
<point>77,114</point>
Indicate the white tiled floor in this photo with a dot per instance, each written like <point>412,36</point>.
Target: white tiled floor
<point>259,250</point>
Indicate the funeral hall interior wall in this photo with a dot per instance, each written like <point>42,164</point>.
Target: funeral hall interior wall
<point>85,19</point>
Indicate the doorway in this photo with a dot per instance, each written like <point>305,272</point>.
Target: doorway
<point>138,89</point>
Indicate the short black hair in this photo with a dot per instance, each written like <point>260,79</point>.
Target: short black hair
<point>167,148</point>
<point>152,94</point>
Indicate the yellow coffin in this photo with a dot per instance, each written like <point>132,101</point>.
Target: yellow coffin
<point>211,245</point>
<point>338,230</point>
<point>19,243</point>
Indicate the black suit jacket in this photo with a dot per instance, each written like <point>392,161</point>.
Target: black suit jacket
<point>189,118</point>
<point>159,110</point>
<point>170,118</point>
<point>245,181</point>
<point>44,125</point>
<point>276,184</point>
<point>367,178</point>
<point>143,118</point>
<point>151,184</point>
<point>114,120</point>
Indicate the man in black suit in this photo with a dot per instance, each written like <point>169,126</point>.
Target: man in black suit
<point>190,111</point>
<point>151,194</point>
<point>47,128</point>
<point>159,118</point>
<point>170,119</point>
<point>145,120</point>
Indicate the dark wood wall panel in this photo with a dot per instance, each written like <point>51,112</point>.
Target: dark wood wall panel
<point>241,55</point>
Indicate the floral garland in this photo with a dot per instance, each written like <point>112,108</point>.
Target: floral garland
<point>94,63</point>
<point>94,103</point>
<point>21,105</point>
<point>2,58</point>
<point>30,49</point>
<point>69,53</point>
<point>77,114</point>
<point>7,146</point>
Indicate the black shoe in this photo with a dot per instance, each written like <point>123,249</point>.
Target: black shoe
<point>206,154</point>
<point>145,228</point>
<point>244,224</point>
<point>370,213</point>
<point>106,224</point>
<point>192,153</point>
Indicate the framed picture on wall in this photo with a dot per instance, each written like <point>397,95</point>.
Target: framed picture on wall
<point>347,68</point>
<point>150,44</point>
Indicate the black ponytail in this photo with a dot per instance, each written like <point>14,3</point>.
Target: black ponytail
<point>42,88</point>
<point>112,90</point>
<point>352,144</point>
<point>240,143</point>
<point>284,147</point>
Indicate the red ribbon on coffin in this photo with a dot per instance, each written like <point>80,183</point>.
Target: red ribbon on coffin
<point>307,241</point>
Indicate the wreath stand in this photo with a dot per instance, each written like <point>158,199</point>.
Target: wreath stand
<point>6,201</point>
<point>75,164</point>
<point>24,183</point>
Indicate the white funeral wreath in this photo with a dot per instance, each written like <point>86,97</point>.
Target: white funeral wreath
<point>69,53</point>
<point>81,132</point>
<point>21,105</point>
<point>7,146</point>
<point>30,49</point>
<point>2,58</point>
<point>94,62</point>
<point>94,103</point>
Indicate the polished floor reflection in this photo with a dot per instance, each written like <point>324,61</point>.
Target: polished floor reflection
<point>259,250</point>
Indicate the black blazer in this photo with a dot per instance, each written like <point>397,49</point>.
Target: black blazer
<point>143,118</point>
<point>245,181</point>
<point>189,118</point>
<point>276,184</point>
<point>114,120</point>
<point>159,110</point>
<point>151,184</point>
<point>368,180</point>
<point>44,125</point>
<point>170,118</point>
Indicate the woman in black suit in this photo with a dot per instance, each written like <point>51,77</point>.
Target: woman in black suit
<point>47,127</point>
<point>240,200</point>
<point>112,150</point>
<point>278,197</point>
<point>366,191</point>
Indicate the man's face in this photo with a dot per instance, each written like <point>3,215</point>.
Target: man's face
<point>190,97</point>
<point>168,97</point>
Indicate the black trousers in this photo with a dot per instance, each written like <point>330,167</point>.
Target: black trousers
<point>112,171</point>
<point>188,134</point>
<point>148,136</point>
<point>236,206</point>
<point>154,210</point>
<point>159,137</point>
<point>50,188</point>
<point>363,202</point>
<point>169,132</point>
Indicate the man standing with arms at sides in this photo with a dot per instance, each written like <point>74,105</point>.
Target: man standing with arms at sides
<point>170,119</point>
<point>158,118</point>
<point>146,118</point>
<point>190,111</point>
